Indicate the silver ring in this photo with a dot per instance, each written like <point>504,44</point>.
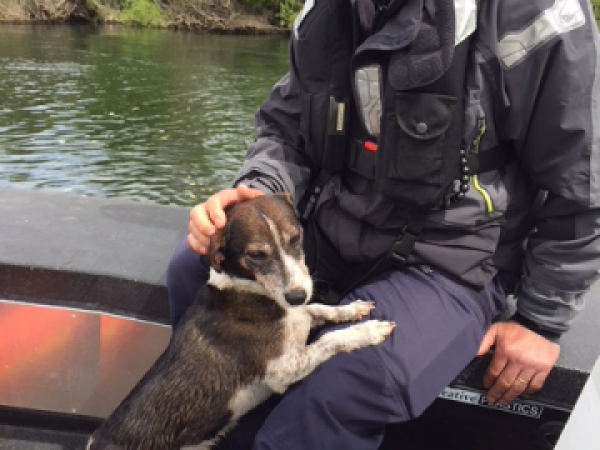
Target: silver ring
<point>522,381</point>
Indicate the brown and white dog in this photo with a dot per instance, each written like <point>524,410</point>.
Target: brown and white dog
<point>243,339</point>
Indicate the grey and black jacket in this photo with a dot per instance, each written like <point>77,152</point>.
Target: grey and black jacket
<point>532,84</point>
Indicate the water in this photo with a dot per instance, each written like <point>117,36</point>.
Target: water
<point>149,115</point>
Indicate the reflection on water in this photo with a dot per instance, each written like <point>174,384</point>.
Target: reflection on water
<point>144,114</point>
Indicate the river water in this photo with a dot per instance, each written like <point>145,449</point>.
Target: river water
<point>149,115</point>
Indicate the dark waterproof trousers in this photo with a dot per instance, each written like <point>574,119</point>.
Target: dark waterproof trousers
<point>347,402</point>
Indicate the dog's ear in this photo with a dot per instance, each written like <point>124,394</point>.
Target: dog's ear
<point>285,197</point>
<point>215,249</point>
<point>288,197</point>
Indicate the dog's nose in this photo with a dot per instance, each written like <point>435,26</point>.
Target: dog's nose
<point>296,297</point>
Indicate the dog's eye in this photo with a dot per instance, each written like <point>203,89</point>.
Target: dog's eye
<point>295,241</point>
<point>257,255</point>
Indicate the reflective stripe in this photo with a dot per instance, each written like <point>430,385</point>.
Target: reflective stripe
<point>368,88</point>
<point>595,128</point>
<point>465,12</point>
<point>563,16</point>
<point>308,5</point>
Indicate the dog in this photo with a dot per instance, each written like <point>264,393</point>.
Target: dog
<point>243,339</point>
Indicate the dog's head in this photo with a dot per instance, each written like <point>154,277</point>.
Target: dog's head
<point>261,248</point>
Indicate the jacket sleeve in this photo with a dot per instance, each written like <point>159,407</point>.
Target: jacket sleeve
<point>551,112</point>
<point>275,161</point>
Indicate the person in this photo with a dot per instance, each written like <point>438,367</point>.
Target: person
<point>455,146</point>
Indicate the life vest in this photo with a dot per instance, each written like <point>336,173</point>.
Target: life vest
<point>417,156</point>
<point>390,108</point>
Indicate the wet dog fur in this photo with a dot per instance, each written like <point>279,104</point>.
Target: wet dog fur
<point>243,339</point>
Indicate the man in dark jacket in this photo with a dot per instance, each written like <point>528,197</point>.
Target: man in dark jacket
<point>456,145</point>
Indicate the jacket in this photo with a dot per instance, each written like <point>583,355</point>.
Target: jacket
<point>533,82</point>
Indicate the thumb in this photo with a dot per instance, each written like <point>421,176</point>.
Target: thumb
<point>246,193</point>
<point>488,340</point>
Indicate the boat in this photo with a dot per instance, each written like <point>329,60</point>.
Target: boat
<point>84,313</point>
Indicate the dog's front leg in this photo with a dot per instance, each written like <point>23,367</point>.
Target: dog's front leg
<point>300,361</point>
<point>323,313</point>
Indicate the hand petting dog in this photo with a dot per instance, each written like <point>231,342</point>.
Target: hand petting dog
<point>207,217</point>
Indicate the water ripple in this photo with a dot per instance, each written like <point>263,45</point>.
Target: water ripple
<point>148,116</point>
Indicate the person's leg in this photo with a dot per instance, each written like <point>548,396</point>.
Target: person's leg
<point>186,273</point>
<point>347,402</point>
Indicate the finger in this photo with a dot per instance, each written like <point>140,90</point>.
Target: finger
<point>246,193</point>
<point>198,241</point>
<point>193,243</point>
<point>497,365</point>
<point>537,381</point>
<point>202,222</point>
<point>215,206</point>
<point>519,386</point>
<point>487,341</point>
<point>503,383</point>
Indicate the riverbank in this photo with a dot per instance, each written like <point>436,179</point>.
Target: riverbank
<point>265,17</point>
<point>214,16</point>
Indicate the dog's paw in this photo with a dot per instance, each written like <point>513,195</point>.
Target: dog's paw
<point>378,330</point>
<point>371,332</point>
<point>356,310</point>
<point>362,308</point>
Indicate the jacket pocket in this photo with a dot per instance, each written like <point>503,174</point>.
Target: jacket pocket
<point>418,158</point>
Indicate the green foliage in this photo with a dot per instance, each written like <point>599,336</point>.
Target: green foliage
<point>142,12</point>
<point>149,13</point>
<point>596,6</point>
<point>285,11</point>
<point>162,13</point>
<point>288,10</point>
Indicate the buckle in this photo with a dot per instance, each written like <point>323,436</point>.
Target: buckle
<point>310,205</point>
<point>403,245</point>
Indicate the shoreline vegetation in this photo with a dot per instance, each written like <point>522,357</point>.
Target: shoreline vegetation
<point>262,17</point>
<point>211,16</point>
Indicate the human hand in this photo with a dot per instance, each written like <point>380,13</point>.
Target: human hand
<point>521,363</point>
<point>209,216</point>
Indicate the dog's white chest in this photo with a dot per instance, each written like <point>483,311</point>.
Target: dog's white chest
<point>247,398</point>
<point>298,325</point>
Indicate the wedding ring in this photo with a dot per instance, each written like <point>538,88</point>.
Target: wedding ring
<point>522,381</point>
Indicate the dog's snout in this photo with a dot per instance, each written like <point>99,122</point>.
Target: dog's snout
<point>296,297</point>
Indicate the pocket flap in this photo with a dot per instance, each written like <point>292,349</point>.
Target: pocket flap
<point>424,115</point>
